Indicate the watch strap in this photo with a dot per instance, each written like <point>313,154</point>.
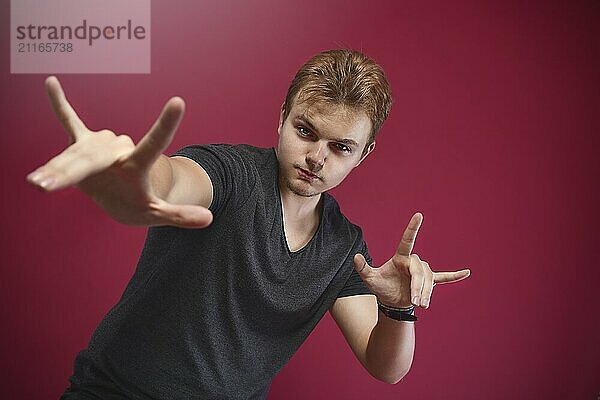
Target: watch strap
<point>399,314</point>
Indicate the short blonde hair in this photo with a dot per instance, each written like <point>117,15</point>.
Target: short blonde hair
<point>343,77</point>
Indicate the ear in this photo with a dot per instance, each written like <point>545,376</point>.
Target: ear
<point>281,118</point>
<point>369,150</point>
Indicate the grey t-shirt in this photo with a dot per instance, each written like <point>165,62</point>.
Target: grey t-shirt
<point>217,312</point>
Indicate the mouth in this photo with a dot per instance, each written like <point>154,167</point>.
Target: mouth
<point>306,175</point>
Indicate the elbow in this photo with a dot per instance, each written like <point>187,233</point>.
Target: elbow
<point>391,378</point>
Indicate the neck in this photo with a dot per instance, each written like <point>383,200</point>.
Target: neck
<point>299,207</point>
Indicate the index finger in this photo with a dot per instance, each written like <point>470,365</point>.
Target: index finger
<point>410,235</point>
<point>63,110</point>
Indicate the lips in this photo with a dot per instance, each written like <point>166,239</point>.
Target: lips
<point>306,175</point>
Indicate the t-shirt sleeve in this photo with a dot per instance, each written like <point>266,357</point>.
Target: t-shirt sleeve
<point>232,175</point>
<point>355,285</point>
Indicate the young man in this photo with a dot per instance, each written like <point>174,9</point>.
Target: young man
<point>216,312</point>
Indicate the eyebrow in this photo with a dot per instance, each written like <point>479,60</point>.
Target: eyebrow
<point>307,122</point>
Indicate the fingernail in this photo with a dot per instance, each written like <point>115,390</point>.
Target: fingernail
<point>34,176</point>
<point>425,302</point>
<point>415,300</point>
<point>46,183</point>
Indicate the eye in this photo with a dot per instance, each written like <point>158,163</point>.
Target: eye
<point>303,131</point>
<point>343,148</point>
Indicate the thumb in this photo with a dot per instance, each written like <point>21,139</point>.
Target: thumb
<point>361,266</point>
<point>183,216</point>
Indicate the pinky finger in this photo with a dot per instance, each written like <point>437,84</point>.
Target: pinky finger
<point>450,277</point>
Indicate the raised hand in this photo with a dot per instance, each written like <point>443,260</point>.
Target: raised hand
<point>405,279</point>
<point>115,172</point>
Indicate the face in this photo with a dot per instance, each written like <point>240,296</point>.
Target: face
<point>319,146</point>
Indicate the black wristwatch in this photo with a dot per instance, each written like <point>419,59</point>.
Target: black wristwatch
<point>399,314</point>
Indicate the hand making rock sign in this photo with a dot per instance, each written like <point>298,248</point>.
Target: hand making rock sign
<point>115,172</point>
<point>405,280</point>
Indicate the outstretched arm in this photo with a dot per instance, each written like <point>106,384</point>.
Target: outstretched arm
<point>134,184</point>
<point>385,346</point>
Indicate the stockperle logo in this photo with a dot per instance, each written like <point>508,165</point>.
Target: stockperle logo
<point>80,36</point>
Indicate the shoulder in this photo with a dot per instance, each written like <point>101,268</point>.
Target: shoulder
<point>233,169</point>
<point>252,151</point>
<point>224,149</point>
<point>228,156</point>
<point>261,157</point>
<point>337,224</point>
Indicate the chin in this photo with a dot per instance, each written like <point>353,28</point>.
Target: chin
<point>302,191</point>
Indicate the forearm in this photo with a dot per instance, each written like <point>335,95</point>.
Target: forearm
<point>390,349</point>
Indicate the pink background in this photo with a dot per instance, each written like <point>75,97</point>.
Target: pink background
<point>493,136</point>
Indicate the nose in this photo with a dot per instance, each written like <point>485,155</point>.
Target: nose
<point>316,156</point>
